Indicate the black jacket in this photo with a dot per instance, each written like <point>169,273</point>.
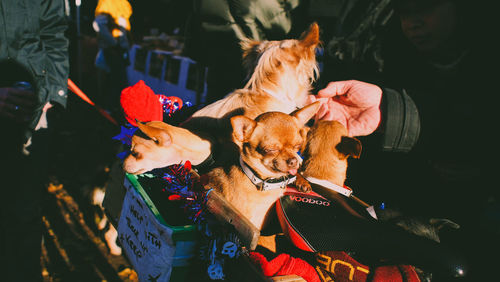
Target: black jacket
<point>32,34</point>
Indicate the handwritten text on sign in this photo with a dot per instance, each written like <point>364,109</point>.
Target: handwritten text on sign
<point>147,243</point>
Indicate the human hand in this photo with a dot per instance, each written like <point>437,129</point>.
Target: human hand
<point>353,103</point>
<point>17,104</point>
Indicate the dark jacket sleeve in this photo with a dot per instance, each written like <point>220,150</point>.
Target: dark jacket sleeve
<point>401,121</point>
<point>53,24</point>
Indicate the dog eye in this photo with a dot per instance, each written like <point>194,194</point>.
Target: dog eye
<point>271,150</point>
<point>267,150</point>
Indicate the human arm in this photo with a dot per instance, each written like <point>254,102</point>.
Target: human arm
<point>53,24</point>
<point>364,108</point>
<point>401,121</point>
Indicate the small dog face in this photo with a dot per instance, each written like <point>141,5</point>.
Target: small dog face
<point>269,144</point>
<point>149,150</point>
<point>157,145</point>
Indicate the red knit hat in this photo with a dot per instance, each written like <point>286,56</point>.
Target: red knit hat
<point>140,102</point>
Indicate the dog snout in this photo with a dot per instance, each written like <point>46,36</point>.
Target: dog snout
<point>292,162</point>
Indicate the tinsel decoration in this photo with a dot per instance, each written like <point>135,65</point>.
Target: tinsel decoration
<point>171,104</point>
<point>178,181</point>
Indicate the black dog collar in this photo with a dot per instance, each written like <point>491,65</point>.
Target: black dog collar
<point>204,166</point>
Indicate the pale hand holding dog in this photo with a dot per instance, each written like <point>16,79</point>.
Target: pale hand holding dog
<point>353,103</point>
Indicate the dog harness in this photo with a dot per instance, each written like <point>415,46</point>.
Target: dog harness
<point>343,190</point>
<point>346,191</point>
<point>267,184</point>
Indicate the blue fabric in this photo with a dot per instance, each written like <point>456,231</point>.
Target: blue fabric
<point>100,61</point>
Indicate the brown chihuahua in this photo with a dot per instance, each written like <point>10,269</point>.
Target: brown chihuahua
<point>267,161</point>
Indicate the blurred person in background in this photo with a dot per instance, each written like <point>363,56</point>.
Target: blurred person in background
<point>425,118</point>
<point>112,25</point>
<point>34,70</point>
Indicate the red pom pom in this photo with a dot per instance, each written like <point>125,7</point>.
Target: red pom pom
<point>139,102</point>
<point>187,166</point>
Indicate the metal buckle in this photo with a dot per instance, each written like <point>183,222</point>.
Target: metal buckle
<point>285,180</point>
<point>262,184</point>
<point>289,180</point>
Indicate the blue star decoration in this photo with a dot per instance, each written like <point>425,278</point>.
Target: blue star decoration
<point>125,136</point>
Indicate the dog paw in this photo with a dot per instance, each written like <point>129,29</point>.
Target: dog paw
<point>303,185</point>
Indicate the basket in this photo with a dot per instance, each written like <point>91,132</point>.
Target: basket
<point>155,238</point>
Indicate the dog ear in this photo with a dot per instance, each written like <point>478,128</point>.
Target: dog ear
<point>307,112</point>
<point>303,132</point>
<point>158,135</point>
<point>248,45</point>
<point>310,38</point>
<point>349,146</point>
<point>242,128</point>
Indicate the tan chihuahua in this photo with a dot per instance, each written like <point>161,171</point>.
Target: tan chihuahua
<point>325,156</point>
<point>267,161</point>
<point>158,144</point>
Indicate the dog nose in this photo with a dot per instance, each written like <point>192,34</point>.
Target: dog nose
<point>291,162</point>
